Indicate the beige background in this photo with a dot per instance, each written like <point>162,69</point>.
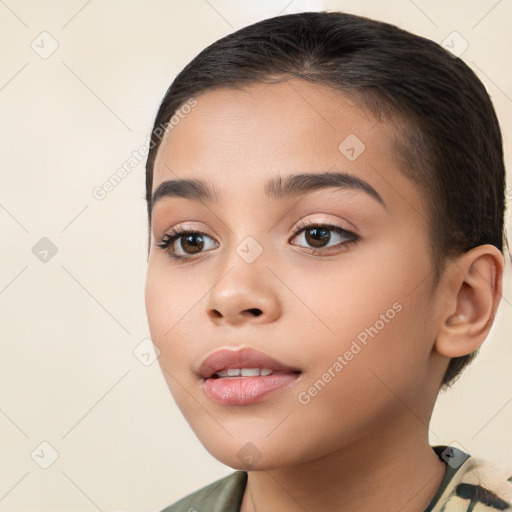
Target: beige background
<point>70,325</point>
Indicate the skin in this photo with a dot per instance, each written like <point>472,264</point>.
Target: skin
<point>368,427</point>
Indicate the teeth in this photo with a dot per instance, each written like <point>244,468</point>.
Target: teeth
<point>244,372</point>
<point>250,372</point>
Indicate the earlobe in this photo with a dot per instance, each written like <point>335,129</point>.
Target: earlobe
<point>472,291</point>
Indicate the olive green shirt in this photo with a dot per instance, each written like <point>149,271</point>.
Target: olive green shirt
<point>469,485</point>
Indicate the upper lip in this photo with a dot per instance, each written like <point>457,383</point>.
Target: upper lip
<point>246,357</point>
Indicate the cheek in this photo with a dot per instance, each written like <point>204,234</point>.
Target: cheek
<point>374,317</point>
<point>158,301</point>
<point>368,376</point>
<point>166,307</point>
<point>169,305</point>
<point>170,297</point>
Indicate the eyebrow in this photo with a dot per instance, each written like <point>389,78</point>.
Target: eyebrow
<point>294,185</point>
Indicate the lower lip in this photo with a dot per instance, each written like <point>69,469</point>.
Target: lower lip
<point>245,390</point>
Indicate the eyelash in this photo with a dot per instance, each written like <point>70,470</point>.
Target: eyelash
<point>176,233</point>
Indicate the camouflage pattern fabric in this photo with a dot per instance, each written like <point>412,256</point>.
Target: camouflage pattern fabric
<point>477,486</point>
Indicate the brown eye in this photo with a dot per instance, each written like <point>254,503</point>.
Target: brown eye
<point>319,236</point>
<point>182,243</point>
<point>192,244</point>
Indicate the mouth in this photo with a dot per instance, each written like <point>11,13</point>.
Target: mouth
<point>242,372</point>
<point>244,376</point>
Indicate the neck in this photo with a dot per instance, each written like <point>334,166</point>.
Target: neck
<point>394,469</point>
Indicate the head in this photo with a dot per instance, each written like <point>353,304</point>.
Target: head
<point>408,135</point>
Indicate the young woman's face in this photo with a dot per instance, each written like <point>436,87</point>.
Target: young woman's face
<point>346,305</point>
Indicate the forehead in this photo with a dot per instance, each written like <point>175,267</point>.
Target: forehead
<point>239,139</point>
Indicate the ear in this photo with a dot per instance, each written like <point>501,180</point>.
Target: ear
<point>472,292</point>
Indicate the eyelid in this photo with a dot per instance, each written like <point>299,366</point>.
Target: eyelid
<point>303,226</point>
<point>180,230</point>
<point>180,226</point>
<point>174,234</point>
<point>325,221</point>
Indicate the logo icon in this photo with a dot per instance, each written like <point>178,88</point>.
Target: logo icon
<point>249,250</point>
<point>454,454</point>
<point>455,44</point>
<point>44,455</point>
<point>44,250</point>
<point>146,352</point>
<point>351,147</point>
<point>44,45</point>
<point>249,454</point>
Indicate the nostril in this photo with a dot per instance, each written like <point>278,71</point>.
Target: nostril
<point>255,311</point>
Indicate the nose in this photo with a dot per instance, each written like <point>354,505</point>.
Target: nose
<point>244,293</point>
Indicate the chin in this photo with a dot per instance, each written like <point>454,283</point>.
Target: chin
<point>258,454</point>
<point>248,461</point>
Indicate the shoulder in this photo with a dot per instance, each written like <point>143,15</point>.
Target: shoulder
<point>478,485</point>
<point>223,495</point>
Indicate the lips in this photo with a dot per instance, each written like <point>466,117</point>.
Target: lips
<point>233,360</point>
<point>244,377</point>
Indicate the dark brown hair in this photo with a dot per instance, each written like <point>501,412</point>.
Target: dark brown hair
<point>448,138</point>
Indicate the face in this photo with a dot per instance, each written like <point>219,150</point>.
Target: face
<point>330,279</point>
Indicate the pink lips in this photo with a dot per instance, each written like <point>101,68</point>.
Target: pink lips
<point>239,389</point>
